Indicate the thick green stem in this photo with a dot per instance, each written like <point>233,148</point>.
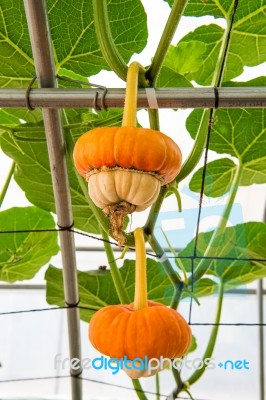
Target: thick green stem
<point>105,39</point>
<point>7,182</point>
<point>154,211</point>
<point>139,391</point>
<point>189,394</point>
<point>116,276</point>
<point>157,386</point>
<point>172,188</point>
<point>166,38</point>
<point>198,148</point>
<point>213,251</point>
<point>172,274</point>
<point>141,297</point>
<point>154,119</point>
<point>178,380</point>
<point>211,344</point>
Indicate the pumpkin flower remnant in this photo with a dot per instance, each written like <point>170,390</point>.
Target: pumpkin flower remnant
<point>126,166</point>
<point>143,329</point>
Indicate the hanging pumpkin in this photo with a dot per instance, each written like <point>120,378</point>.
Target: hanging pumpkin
<point>141,329</point>
<point>126,166</point>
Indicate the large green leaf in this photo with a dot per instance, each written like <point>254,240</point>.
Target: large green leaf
<point>8,119</point>
<point>73,34</point>
<point>22,254</point>
<point>199,8</point>
<point>243,241</point>
<point>33,175</point>
<point>20,115</point>
<point>176,64</point>
<point>247,42</point>
<point>259,81</point>
<point>240,133</point>
<point>96,288</point>
<point>220,174</point>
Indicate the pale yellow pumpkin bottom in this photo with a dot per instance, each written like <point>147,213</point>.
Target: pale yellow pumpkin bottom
<point>119,192</point>
<point>114,186</point>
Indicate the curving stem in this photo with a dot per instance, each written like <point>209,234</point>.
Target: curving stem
<point>115,273</point>
<point>130,107</point>
<point>167,36</point>
<point>105,39</point>
<point>140,298</point>
<point>211,344</point>
<point>7,182</point>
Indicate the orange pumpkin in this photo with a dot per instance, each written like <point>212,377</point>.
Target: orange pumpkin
<point>141,329</point>
<point>126,166</point>
<point>129,148</point>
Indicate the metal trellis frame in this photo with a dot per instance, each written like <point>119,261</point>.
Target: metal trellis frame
<point>225,97</point>
<point>45,70</point>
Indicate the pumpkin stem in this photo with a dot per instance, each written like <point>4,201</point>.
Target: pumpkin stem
<point>130,107</point>
<point>140,298</point>
<point>117,213</point>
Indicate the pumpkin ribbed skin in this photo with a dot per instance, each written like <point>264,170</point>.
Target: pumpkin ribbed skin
<point>109,187</point>
<point>153,331</point>
<point>128,147</point>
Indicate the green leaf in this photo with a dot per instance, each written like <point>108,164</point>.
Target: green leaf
<point>219,177</point>
<point>240,133</point>
<point>74,40</point>
<point>33,175</point>
<point>210,38</point>
<point>180,60</point>
<point>29,116</point>
<point>217,8</point>
<point>8,119</point>
<point>96,288</point>
<point>169,78</point>
<point>16,63</point>
<point>201,288</point>
<point>260,81</point>
<point>243,241</point>
<point>22,254</point>
<point>247,43</point>
<point>193,345</point>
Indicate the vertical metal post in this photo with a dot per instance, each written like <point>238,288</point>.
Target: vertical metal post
<point>261,339</point>
<point>38,25</point>
<point>261,334</point>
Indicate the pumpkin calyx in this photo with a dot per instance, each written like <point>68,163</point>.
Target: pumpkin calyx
<point>116,213</point>
<point>116,168</point>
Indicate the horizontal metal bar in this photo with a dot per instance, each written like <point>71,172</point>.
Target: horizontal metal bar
<point>40,286</point>
<point>228,97</point>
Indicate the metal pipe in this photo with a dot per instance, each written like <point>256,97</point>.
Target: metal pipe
<point>229,97</point>
<point>40,286</point>
<point>260,293</point>
<point>38,25</point>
